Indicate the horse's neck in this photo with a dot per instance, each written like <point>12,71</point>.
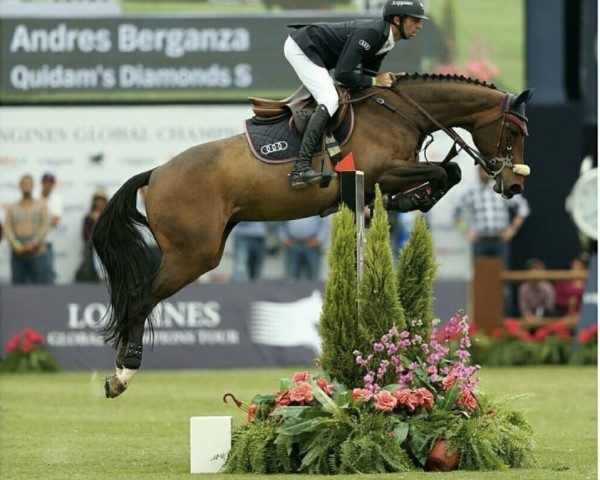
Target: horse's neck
<point>454,104</point>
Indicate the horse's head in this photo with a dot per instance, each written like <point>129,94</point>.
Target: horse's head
<point>501,141</point>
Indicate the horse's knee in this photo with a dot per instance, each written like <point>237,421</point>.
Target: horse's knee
<point>439,176</point>
<point>454,173</point>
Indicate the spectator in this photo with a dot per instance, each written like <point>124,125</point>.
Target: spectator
<point>536,297</point>
<point>569,293</point>
<point>490,222</point>
<point>89,270</point>
<point>54,207</point>
<point>304,241</point>
<point>249,250</point>
<point>27,222</point>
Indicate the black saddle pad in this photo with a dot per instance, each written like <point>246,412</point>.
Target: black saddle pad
<point>280,142</point>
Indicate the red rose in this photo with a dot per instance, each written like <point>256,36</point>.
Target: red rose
<point>251,412</point>
<point>33,336</point>
<point>325,386</point>
<point>301,393</point>
<point>361,393</point>
<point>26,346</point>
<point>13,343</point>
<point>301,377</point>
<point>384,400</point>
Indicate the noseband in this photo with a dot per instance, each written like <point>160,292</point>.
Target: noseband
<point>504,159</point>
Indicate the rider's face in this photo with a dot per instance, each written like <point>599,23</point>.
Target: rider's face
<point>412,25</point>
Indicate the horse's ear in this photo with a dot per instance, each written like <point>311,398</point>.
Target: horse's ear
<point>522,98</point>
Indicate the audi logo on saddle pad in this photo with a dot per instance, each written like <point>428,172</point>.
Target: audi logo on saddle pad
<point>273,147</point>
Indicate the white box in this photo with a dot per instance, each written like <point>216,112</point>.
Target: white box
<point>210,443</point>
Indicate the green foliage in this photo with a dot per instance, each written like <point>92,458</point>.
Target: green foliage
<point>379,306</point>
<point>497,438</point>
<point>254,450</point>
<point>339,326</point>
<point>415,276</point>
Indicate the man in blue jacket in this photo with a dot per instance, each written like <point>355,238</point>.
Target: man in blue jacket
<point>314,49</point>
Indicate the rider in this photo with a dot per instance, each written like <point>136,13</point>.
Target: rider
<point>314,49</point>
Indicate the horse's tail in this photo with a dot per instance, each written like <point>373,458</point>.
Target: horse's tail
<point>125,257</point>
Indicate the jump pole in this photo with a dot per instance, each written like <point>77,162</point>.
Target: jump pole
<point>352,183</point>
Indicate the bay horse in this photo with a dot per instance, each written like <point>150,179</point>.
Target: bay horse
<point>194,200</point>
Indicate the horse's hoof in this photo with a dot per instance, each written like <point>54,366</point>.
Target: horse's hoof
<point>113,387</point>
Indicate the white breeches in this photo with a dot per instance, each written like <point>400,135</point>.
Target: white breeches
<point>315,78</point>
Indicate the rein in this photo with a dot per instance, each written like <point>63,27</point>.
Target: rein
<point>487,165</point>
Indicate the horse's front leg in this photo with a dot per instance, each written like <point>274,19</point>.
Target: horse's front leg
<point>417,186</point>
<point>127,361</point>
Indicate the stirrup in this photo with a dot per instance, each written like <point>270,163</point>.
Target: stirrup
<point>303,179</point>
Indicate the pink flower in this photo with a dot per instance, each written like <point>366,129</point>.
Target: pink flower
<point>407,398</point>
<point>301,393</point>
<point>325,386</point>
<point>448,381</point>
<point>467,400</point>
<point>282,399</point>
<point>301,377</point>
<point>251,412</point>
<point>425,397</point>
<point>361,393</point>
<point>384,400</point>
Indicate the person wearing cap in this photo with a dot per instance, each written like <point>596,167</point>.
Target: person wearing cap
<point>312,50</point>
<point>54,206</point>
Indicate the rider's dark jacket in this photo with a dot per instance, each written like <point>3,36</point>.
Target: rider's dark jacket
<point>344,46</point>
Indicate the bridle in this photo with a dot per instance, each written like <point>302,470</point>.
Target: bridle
<point>490,166</point>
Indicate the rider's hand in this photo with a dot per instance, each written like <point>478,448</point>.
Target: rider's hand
<point>385,80</point>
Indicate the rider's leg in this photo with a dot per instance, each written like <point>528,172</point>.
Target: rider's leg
<point>321,86</point>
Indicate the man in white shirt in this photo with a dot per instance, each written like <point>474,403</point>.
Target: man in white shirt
<point>54,207</point>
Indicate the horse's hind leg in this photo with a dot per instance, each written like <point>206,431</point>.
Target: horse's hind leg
<point>176,271</point>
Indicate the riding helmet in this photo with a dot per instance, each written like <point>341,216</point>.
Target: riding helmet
<point>412,8</point>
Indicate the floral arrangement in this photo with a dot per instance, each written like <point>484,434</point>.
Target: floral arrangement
<point>26,352</point>
<point>431,418</point>
<point>392,392</point>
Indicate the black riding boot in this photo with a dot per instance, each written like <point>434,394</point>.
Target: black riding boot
<point>303,173</point>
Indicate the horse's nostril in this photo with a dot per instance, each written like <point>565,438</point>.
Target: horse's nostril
<point>516,188</point>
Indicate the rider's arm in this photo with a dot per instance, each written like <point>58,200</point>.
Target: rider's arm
<point>358,49</point>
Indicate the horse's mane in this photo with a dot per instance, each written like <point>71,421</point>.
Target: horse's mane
<point>445,78</point>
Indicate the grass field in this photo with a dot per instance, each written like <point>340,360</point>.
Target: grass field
<point>60,426</point>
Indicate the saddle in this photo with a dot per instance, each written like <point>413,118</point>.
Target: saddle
<point>300,105</point>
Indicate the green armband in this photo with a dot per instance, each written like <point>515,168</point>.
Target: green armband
<point>374,81</point>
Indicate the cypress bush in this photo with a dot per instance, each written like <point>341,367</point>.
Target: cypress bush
<point>415,276</point>
<point>379,305</point>
<point>338,327</point>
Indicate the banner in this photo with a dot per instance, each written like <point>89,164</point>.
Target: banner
<point>154,59</point>
<point>257,324</point>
